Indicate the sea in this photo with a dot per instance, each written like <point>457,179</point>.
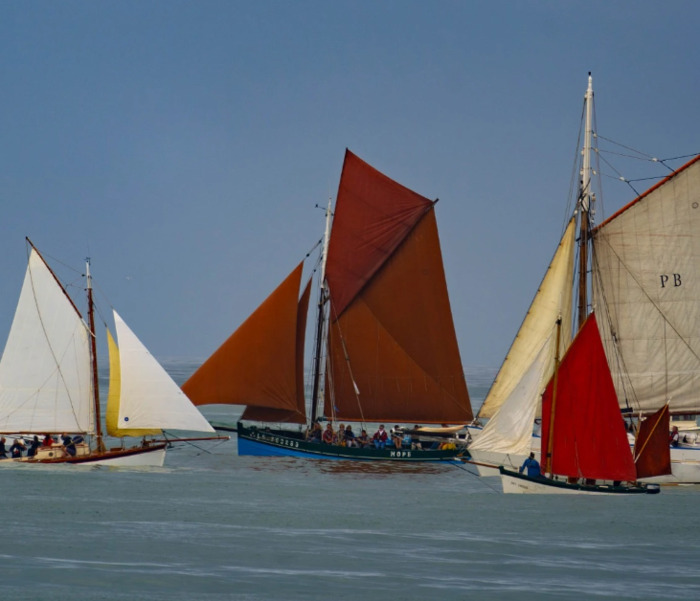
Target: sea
<point>213,526</point>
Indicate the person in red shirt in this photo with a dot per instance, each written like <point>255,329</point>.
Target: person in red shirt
<point>380,437</point>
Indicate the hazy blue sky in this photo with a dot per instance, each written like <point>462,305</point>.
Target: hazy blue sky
<point>183,145</point>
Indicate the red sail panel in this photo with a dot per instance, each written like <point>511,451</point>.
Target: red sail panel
<point>373,215</point>
<point>588,434</point>
<point>259,364</point>
<point>651,448</point>
<point>396,342</point>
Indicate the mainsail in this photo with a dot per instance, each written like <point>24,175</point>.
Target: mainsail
<point>45,378</point>
<point>261,365</point>
<point>392,348</point>
<point>586,427</point>
<point>646,279</point>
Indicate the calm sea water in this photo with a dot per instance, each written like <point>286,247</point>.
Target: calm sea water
<point>214,526</point>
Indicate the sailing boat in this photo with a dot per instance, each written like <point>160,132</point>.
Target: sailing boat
<point>584,439</point>
<point>49,384</point>
<point>385,346</point>
<point>514,398</point>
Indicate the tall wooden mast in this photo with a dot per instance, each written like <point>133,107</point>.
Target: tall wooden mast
<point>320,324</point>
<point>93,356</point>
<point>585,201</point>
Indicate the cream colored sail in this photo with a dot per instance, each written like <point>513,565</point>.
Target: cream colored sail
<point>45,367</point>
<point>149,396</point>
<point>647,288</point>
<point>530,360</point>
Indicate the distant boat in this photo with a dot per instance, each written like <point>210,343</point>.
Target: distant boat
<point>648,324</point>
<point>584,441</point>
<point>385,349</point>
<point>49,385</point>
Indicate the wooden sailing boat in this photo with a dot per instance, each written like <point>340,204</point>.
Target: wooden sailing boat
<point>584,439</point>
<point>514,399</point>
<point>385,348</point>
<point>49,385</point>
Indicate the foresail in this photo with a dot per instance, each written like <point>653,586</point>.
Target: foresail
<point>114,397</point>
<point>149,396</point>
<point>510,429</point>
<point>647,279</point>
<point>536,337</point>
<point>392,348</point>
<point>588,433</point>
<point>258,365</point>
<point>45,380</point>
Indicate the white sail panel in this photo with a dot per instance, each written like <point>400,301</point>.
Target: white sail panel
<point>553,299</point>
<point>45,383</point>
<point>149,396</point>
<point>509,431</point>
<point>647,284</point>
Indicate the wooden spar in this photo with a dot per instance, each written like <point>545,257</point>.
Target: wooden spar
<point>585,199</point>
<point>93,355</point>
<point>321,318</point>
<point>550,440</point>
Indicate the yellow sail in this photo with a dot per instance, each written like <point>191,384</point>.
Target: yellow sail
<point>114,396</point>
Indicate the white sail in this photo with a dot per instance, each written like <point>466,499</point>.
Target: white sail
<point>647,283</point>
<point>45,368</point>
<point>149,396</point>
<point>509,431</point>
<point>553,300</point>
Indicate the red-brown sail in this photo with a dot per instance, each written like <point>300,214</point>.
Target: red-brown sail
<point>261,363</point>
<point>391,335</point>
<point>589,438</point>
<point>651,448</point>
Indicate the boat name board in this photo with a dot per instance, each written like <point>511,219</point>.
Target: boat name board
<point>278,440</point>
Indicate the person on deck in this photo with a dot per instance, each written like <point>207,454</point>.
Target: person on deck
<point>328,434</point>
<point>69,445</point>
<point>48,441</point>
<point>349,437</point>
<point>532,465</point>
<point>674,438</point>
<point>363,439</point>
<point>17,448</point>
<point>380,437</point>
<point>33,447</point>
<point>3,450</point>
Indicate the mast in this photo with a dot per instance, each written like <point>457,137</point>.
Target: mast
<point>322,296</point>
<point>585,200</point>
<point>93,355</point>
<point>550,439</point>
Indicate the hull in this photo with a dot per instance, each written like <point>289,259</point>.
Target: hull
<point>269,443</point>
<point>487,462</point>
<point>515,483</point>
<point>150,456</point>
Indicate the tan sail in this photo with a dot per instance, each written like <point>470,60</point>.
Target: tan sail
<point>552,300</point>
<point>261,363</point>
<point>392,348</point>
<point>646,281</point>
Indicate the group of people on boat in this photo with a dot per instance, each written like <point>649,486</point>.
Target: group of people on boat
<point>18,448</point>
<point>345,437</point>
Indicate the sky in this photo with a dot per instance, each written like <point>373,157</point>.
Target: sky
<point>184,146</point>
